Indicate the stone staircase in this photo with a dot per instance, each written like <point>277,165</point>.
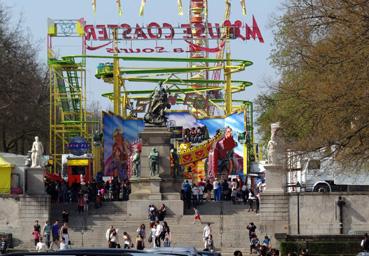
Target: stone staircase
<point>228,225</point>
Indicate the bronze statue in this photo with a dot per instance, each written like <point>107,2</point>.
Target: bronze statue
<point>154,162</point>
<point>176,167</point>
<point>158,103</point>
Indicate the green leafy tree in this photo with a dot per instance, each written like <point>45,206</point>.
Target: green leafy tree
<point>321,50</point>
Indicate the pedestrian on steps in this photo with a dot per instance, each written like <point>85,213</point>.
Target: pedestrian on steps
<point>141,231</point>
<point>55,234</point>
<point>252,228</point>
<point>206,234</point>
<point>197,216</point>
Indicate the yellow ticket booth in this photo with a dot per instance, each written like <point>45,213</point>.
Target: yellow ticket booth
<point>5,176</point>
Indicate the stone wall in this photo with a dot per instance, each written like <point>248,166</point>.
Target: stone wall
<point>319,213</point>
<point>18,214</point>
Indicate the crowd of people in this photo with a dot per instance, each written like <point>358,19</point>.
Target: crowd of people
<point>158,235</point>
<point>51,237</point>
<point>195,134</point>
<point>233,189</point>
<point>96,191</point>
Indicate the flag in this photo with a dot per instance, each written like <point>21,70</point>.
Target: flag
<point>142,7</point>
<point>180,8</point>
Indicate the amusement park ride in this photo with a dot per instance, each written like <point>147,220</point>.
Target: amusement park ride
<point>199,85</point>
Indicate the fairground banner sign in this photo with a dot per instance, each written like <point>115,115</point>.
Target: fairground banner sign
<point>101,35</point>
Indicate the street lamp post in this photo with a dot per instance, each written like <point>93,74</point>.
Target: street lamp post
<point>298,189</point>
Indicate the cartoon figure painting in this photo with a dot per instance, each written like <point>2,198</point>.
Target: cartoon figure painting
<point>117,163</point>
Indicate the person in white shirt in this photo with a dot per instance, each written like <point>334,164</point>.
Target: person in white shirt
<point>114,238</point>
<point>206,234</point>
<point>63,245</point>
<point>153,234</point>
<point>41,246</point>
<point>216,189</point>
<point>159,229</point>
<point>107,234</point>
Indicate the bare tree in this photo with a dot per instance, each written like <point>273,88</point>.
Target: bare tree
<point>23,90</point>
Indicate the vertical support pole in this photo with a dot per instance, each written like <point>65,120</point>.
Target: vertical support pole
<point>245,146</point>
<point>228,89</point>
<point>298,212</point>
<point>116,74</point>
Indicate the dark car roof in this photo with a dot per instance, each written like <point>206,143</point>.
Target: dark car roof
<point>174,250</point>
<point>87,252</point>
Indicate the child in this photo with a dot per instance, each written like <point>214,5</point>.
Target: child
<point>36,236</point>
<point>196,216</point>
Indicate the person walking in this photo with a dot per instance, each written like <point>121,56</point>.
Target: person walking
<point>216,187</point>
<point>37,227</point>
<point>141,231</point>
<point>113,238</point>
<point>46,230</point>
<point>251,200</point>
<point>166,235</point>
<point>252,228</point>
<point>65,216</point>
<point>208,189</point>
<point>152,236</point>
<point>206,234</point>
<point>127,241</point>
<point>36,236</point>
<point>158,233</point>
<point>197,216</point>
<point>55,234</point>
<point>365,243</point>
<point>64,233</point>
<point>3,245</point>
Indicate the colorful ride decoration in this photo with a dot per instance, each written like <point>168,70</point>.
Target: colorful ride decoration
<point>198,152</point>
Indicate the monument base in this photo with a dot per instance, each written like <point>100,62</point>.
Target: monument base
<point>35,181</point>
<point>276,177</point>
<point>156,190</point>
<point>145,188</point>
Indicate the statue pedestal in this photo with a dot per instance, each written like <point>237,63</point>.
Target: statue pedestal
<point>276,178</point>
<point>35,181</point>
<point>156,190</point>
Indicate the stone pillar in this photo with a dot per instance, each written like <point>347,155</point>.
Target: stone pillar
<point>276,178</point>
<point>35,181</point>
<point>148,189</point>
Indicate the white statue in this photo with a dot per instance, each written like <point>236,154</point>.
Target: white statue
<point>37,152</point>
<point>275,145</point>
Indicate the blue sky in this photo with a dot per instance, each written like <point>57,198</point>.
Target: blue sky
<point>35,13</point>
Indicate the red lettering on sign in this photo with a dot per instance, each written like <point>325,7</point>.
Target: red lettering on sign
<point>155,26</point>
<point>101,30</point>
<point>139,32</point>
<point>126,31</point>
<point>254,31</point>
<point>211,32</point>
<point>170,27</point>
<point>186,31</point>
<point>90,32</point>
